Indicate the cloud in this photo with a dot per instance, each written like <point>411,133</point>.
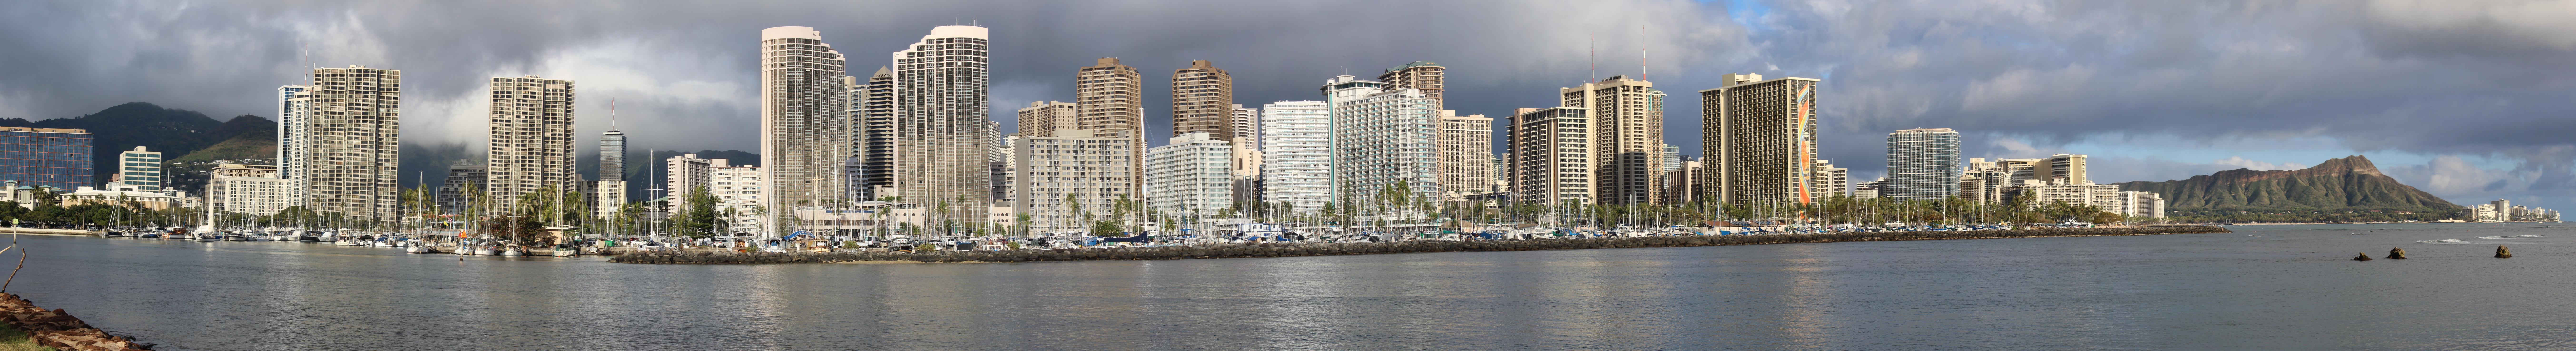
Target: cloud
<point>2482,79</point>
<point>2241,162</point>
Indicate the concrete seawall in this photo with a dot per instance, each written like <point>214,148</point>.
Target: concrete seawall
<point>1414,246</point>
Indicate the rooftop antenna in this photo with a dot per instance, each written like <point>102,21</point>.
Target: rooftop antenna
<point>1593,39</point>
<point>612,113</point>
<point>1641,52</point>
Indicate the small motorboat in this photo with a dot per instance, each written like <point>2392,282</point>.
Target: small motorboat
<point>485,251</point>
<point>152,235</point>
<point>415,249</point>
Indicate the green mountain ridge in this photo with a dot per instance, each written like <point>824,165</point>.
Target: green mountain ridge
<point>175,133</point>
<point>2343,189</point>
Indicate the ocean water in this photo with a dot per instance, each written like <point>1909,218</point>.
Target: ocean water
<point>2261,288</point>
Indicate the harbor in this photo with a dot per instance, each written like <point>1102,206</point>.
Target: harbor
<point>2126,292</point>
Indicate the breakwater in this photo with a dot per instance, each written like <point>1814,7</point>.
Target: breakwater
<point>57,329</point>
<point>1247,250</point>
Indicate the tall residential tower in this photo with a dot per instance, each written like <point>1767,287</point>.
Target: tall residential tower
<point>351,162</point>
<point>871,135</point>
<point>531,144</point>
<point>804,118</point>
<point>941,114</point>
<point>1203,101</point>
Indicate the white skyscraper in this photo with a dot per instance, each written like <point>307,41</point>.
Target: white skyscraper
<point>1296,154</point>
<point>1191,176</point>
<point>804,118</point>
<point>293,137</point>
<point>943,142</point>
<point>1382,138</point>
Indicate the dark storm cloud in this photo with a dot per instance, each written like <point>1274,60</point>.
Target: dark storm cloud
<point>2482,78</point>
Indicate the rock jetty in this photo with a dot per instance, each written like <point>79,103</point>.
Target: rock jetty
<point>54,328</point>
<point>1410,246</point>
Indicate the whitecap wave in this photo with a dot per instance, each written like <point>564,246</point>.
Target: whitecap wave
<point>2497,237</point>
<point>2527,236</point>
<point>2443,241</point>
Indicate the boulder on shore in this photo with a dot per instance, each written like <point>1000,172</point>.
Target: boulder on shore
<point>2396,253</point>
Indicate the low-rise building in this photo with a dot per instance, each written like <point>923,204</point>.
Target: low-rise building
<point>738,192</point>
<point>248,189</point>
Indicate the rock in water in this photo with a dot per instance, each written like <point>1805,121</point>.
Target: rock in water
<point>2396,253</point>
<point>2361,257</point>
<point>2502,252</point>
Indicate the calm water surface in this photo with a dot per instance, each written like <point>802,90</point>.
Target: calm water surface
<point>2264,287</point>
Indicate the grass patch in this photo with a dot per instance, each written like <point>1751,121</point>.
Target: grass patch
<point>13,340</point>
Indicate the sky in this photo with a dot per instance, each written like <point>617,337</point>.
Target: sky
<point>2471,100</point>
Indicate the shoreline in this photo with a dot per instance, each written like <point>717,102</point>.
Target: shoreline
<point>58,329</point>
<point>1253,250</point>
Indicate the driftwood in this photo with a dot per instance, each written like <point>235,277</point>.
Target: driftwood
<point>1248,250</point>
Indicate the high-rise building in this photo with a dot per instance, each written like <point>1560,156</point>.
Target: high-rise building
<point>1043,118</point>
<point>804,118</point>
<point>1247,157</point>
<point>1088,171</point>
<point>1247,127</point>
<point>452,195</point>
<point>531,143</point>
<point>1672,159</point>
<point>1203,101</point>
<point>2503,210</point>
<point>1193,175</point>
<point>137,170</point>
<point>1984,182</point>
<point>351,160</point>
<point>1677,183</point>
<point>294,134</point>
<point>1466,154</point>
<point>1758,139</point>
<point>1871,190</point>
<point>610,192</point>
<point>1112,102</point>
<point>1627,137</point>
<point>248,189</point>
<point>872,135</point>
<point>1382,139</point>
<point>2141,205</point>
<point>1923,164</point>
<point>941,87</point>
<point>683,175</point>
<point>1297,154</point>
<point>1551,156</point>
<point>1424,76</point>
<point>1831,181</point>
<point>1005,172</point>
<point>2061,168</point>
<point>740,196</point>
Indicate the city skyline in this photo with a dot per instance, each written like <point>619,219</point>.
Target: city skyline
<point>697,91</point>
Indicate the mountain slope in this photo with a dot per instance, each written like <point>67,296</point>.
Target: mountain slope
<point>2350,184</point>
<point>172,132</point>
